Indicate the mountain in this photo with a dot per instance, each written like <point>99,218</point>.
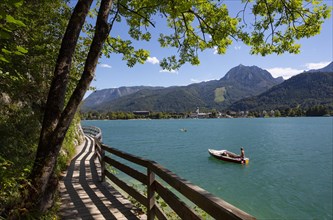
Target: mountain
<point>238,83</point>
<point>306,90</point>
<point>246,81</point>
<point>99,97</point>
<point>171,99</point>
<point>251,76</point>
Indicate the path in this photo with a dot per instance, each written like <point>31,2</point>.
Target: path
<point>82,194</point>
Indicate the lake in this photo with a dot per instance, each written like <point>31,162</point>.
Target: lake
<point>290,171</point>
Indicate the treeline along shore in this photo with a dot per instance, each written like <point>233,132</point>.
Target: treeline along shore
<point>315,111</point>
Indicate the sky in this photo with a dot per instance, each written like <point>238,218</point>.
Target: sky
<point>316,52</point>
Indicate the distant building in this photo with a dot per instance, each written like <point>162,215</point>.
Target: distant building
<point>231,114</point>
<point>199,114</point>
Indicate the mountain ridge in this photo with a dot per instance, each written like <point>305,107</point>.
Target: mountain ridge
<point>241,88</point>
<point>99,97</point>
<point>305,90</point>
<point>239,82</point>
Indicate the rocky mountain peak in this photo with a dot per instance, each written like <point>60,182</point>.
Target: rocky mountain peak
<point>250,75</point>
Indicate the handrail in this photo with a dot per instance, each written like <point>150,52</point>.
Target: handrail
<point>214,206</point>
<point>93,132</point>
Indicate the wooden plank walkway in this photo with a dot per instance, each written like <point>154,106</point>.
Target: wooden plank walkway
<point>82,194</point>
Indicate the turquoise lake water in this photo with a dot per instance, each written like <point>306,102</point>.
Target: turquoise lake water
<point>290,171</point>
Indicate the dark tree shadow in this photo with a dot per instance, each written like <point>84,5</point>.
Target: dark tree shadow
<point>84,196</point>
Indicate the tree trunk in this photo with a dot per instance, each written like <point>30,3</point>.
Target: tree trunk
<point>56,121</point>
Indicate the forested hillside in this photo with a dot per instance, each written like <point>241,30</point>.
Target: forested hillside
<point>100,97</point>
<point>243,88</point>
<point>305,90</point>
<point>239,82</point>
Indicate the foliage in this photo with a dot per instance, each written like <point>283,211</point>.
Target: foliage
<point>18,143</point>
<point>94,115</point>
<point>167,210</point>
<point>24,81</point>
<point>298,111</point>
<point>28,77</point>
<point>317,111</point>
<point>8,25</point>
<point>69,144</point>
<point>297,18</point>
<point>198,25</point>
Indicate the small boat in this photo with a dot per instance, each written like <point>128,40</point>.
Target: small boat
<point>183,129</point>
<point>228,156</point>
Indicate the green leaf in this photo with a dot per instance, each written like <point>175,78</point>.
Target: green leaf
<point>17,3</point>
<point>21,49</point>
<point>11,19</point>
<point>3,59</point>
<point>5,51</point>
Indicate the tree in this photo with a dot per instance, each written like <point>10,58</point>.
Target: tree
<point>277,113</point>
<point>318,110</point>
<point>277,24</point>
<point>30,38</point>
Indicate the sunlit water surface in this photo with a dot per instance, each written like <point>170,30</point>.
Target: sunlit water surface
<point>290,171</point>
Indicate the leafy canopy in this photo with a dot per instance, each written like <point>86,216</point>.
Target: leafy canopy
<point>197,25</point>
<point>8,24</point>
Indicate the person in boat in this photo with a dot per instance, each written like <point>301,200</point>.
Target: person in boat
<point>242,155</point>
<point>225,154</point>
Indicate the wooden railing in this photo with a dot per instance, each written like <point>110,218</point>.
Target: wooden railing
<point>212,205</point>
<point>93,132</point>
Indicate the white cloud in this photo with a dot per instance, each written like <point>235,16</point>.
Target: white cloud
<point>169,71</point>
<point>104,65</point>
<point>238,47</point>
<point>286,73</point>
<point>153,60</point>
<point>215,50</point>
<point>319,65</point>
<point>195,80</point>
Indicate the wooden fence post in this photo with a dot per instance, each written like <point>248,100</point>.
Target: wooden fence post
<point>150,195</point>
<point>103,164</point>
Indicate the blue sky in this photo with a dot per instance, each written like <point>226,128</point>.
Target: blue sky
<point>316,52</point>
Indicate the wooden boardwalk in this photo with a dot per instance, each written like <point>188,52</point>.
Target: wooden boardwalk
<point>84,196</point>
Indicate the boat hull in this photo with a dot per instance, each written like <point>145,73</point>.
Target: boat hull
<point>232,157</point>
